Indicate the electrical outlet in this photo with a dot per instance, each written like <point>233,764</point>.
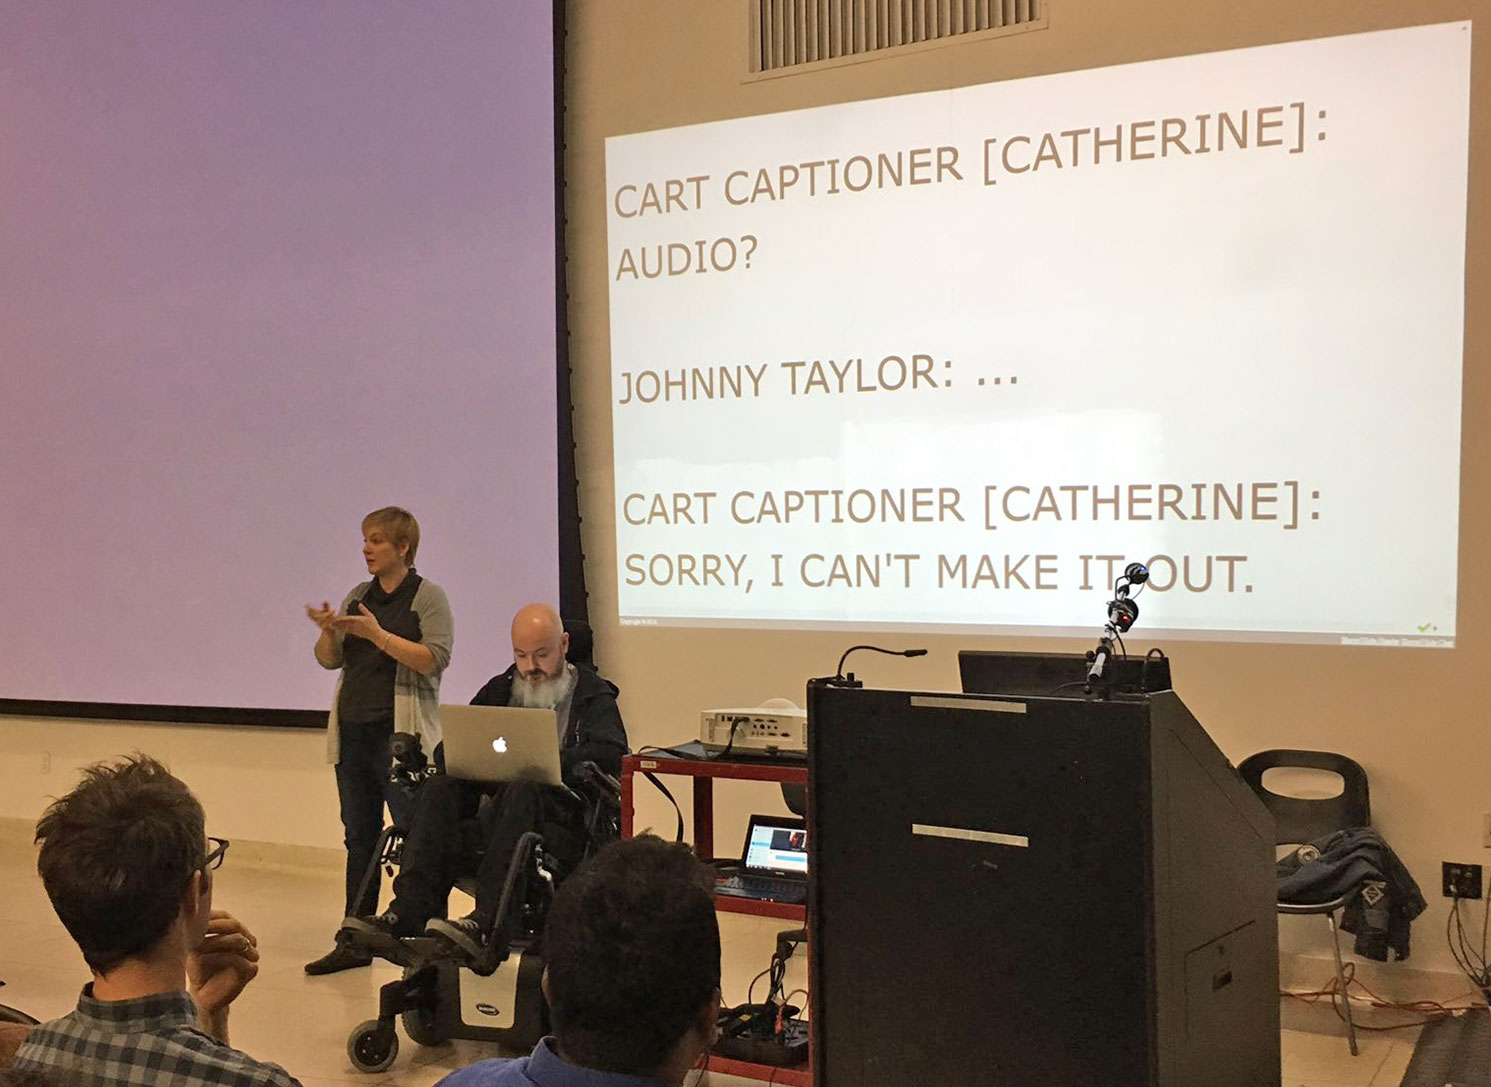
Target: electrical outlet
<point>1486,829</point>
<point>1461,880</point>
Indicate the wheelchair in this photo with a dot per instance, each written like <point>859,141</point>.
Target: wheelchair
<point>443,995</point>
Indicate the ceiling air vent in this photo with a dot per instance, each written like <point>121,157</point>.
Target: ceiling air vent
<point>793,33</point>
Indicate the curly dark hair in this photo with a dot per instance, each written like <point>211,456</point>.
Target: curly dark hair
<point>633,953</point>
<point>117,854</point>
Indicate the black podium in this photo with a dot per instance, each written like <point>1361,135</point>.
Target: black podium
<point>1030,891</point>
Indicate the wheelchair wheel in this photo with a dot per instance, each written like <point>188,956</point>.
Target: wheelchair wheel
<point>420,1025</point>
<point>372,1047</point>
<point>423,993</point>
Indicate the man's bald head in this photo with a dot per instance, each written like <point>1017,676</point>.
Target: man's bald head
<point>537,620</point>
<point>539,642</point>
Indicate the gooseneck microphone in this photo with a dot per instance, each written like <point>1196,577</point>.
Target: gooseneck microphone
<point>1122,612</point>
<point>839,679</point>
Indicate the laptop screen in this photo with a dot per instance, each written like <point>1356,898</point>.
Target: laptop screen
<point>778,845</point>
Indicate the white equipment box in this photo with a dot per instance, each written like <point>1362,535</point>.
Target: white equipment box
<point>754,730</point>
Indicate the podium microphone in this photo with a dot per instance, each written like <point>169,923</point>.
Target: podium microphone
<point>839,679</point>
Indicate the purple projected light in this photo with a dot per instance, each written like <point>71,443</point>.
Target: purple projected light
<point>268,267</point>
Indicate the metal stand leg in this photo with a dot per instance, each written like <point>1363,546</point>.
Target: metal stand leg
<point>1341,982</point>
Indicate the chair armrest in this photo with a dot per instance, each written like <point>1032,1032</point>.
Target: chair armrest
<point>602,783</point>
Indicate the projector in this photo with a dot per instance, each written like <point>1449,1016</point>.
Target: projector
<point>774,729</point>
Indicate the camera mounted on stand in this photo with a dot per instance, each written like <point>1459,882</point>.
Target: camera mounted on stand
<point>1122,613</point>
<point>410,763</point>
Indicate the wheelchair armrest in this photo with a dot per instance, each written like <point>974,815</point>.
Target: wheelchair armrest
<point>597,780</point>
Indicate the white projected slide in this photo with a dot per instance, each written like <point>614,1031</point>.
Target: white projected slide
<point>951,360</point>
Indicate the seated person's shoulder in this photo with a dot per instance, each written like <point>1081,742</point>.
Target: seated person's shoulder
<point>238,1067</point>
<point>499,1072</point>
<point>495,691</point>
<point>592,683</point>
<point>44,1045</point>
<point>190,1052</point>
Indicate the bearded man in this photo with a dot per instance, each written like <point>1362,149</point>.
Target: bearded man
<point>590,730</point>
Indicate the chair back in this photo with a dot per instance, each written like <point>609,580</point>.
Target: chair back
<point>14,1025</point>
<point>1304,819</point>
<point>581,643</point>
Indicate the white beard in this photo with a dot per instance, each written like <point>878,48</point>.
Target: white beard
<point>543,694</point>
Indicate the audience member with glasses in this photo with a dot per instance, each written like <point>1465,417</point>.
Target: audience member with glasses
<point>128,866</point>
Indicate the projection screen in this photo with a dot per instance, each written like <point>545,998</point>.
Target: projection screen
<point>952,360</point>
<point>268,267</point>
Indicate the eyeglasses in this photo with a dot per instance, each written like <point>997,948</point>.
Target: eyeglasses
<point>215,855</point>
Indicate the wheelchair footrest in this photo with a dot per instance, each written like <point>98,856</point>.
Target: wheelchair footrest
<point>406,951</point>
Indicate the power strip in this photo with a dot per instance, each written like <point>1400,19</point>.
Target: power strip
<point>780,1051</point>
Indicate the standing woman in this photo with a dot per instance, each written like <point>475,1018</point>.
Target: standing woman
<point>391,638</point>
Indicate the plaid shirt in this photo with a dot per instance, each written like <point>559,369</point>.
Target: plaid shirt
<point>140,1043</point>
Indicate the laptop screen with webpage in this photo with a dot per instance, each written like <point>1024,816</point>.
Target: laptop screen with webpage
<point>776,845</point>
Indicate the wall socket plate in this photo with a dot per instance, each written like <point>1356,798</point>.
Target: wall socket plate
<point>1486,829</point>
<point>1461,880</point>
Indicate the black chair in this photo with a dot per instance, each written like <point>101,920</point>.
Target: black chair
<point>1306,819</point>
<point>581,643</point>
<point>14,1025</point>
<point>15,1015</point>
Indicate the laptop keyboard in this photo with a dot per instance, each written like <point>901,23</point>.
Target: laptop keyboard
<point>778,890</point>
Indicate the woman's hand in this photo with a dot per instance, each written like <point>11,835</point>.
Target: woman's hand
<point>322,616</point>
<point>360,626</point>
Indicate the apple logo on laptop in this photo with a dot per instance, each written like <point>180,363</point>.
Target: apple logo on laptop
<point>499,745</point>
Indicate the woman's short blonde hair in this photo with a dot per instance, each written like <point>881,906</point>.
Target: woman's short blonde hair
<point>400,525</point>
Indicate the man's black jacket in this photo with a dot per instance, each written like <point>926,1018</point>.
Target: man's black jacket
<point>594,733</point>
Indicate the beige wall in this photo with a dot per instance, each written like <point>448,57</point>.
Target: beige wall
<point>1416,719</point>
<point>259,784</point>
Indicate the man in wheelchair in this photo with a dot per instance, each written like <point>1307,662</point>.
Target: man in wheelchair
<point>592,737</point>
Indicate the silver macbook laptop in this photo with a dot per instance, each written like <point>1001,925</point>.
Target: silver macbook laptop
<point>501,743</point>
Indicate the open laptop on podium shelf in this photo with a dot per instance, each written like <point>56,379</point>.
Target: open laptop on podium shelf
<point>774,862</point>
